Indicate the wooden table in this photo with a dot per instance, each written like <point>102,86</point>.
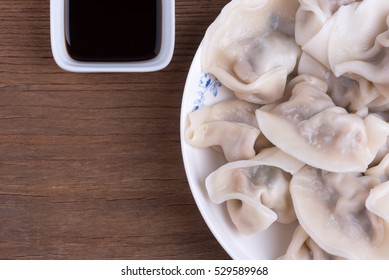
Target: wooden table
<point>90,164</point>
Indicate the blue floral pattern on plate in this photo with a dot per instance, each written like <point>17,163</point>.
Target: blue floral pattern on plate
<point>208,85</point>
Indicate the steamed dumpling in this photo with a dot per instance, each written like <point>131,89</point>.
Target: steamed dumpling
<point>230,125</point>
<point>354,94</point>
<point>256,190</point>
<point>378,201</point>
<point>381,154</point>
<point>302,247</point>
<point>380,171</point>
<point>232,110</point>
<point>355,41</point>
<point>331,209</point>
<point>250,48</point>
<point>313,14</point>
<point>312,129</point>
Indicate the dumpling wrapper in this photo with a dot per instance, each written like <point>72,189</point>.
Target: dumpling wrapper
<point>250,48</point>
<point>380,171</point>
<point>302,247</point>
<point>355,93</point>
<point>230,125</point>
<point>256,190</point>
<point>313,14</point>
<point>331,209</point>
<point>312,129</point>
<point>232,110</point>
<point>378,201</point>
<point>355,40</point>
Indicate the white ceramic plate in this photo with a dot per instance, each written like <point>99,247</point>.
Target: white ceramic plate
<point>202,89</point>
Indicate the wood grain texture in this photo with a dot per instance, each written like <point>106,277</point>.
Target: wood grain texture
<point>90,164</point>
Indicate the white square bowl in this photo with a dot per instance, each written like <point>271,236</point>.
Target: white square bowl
<point>62,58</point>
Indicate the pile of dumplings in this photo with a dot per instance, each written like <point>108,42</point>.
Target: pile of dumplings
<point>306,138</point>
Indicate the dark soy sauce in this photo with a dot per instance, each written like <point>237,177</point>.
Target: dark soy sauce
<point>113,30</point>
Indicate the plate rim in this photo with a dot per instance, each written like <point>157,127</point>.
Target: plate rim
<point>189,176</point>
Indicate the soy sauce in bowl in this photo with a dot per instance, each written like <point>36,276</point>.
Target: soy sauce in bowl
<point>113,30</point>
